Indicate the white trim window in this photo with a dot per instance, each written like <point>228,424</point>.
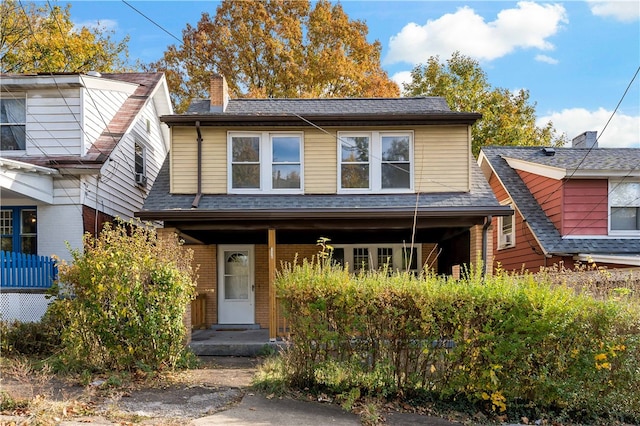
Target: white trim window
<point>263,161</point>
<point>375,161</point>
<point>624,207</point>
<point>506,231</point>
<point>13,119</point>
<point>395,257</point>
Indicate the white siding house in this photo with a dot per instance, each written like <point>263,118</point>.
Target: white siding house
<point>76,150</point>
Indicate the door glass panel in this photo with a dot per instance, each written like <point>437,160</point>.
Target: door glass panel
<point>236,275</point>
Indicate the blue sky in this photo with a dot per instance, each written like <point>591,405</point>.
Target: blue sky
<point>576,58</point>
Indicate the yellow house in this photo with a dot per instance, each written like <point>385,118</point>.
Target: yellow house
<point>251,183</point>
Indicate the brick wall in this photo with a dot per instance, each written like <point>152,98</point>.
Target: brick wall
<point>89,222</point>
<point>204,258</point>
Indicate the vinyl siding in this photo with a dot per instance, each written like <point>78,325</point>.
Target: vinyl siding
<point>53,122</point>
<point>586,208</point>
<point>118,194</point>
<point>526,255</point>
<point>320,162</point>
<point>184,158</point>
<point>66,190</point>
<point>548,194</point>
<point>441,158</point>
<point>521,255</point>
<point>100,106</point>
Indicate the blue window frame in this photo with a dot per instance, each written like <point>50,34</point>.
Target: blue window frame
<point>19,229</point>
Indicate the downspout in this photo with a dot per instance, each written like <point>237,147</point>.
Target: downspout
<point>485,231</point>
<point>196,200</point>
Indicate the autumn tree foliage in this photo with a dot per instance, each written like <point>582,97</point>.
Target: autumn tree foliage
<point>276,48</point>
<point>508,118</point>
<point>44,39</point>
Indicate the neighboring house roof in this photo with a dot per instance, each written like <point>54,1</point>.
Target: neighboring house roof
<point>625,160</point>
<point>147,85</point>
<point>161,204</point>
<point>344,112</point>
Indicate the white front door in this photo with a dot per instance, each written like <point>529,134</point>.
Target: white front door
<point>236,287</point>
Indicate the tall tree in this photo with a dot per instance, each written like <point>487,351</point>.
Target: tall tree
<point>43,39</point>
<point>507,118</point>
<point>276,48</point>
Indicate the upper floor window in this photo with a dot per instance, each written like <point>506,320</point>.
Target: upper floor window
<point>375,161</point>
<point>506,232</point>
<point>140,165</point>
<point>13,118</point>
<point>265,162</point>
<point>624,206</point>
<point>18,227</point>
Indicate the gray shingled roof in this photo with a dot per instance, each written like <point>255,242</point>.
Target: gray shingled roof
<point>160,200</point>
<point>549,237</point>
<point>620,159</point>
<point>417,105</point>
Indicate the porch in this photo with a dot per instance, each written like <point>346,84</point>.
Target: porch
<point>245,342</point>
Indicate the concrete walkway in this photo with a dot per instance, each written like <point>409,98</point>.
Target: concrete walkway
<point>257,410</point>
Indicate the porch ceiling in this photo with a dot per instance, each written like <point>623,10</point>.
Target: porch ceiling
<point>339,232</point>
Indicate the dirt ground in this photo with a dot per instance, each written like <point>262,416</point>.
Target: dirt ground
<point>39,398</point>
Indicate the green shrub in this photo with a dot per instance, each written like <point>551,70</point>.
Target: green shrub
<point>41,338</point>
<point>505,344</point>
<point>130,291</point>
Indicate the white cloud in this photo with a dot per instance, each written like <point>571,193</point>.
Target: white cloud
<point>621,10</point>
<point>622,132</point>
<point>102,24</point>
<point>526,26</point>
<point>401,77</point>
<point>547,59</point>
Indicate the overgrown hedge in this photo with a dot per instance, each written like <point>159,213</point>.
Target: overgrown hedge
<point>128,293</point>
<point>505,344</point>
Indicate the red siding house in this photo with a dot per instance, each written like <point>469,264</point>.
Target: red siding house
<point>573,204</point>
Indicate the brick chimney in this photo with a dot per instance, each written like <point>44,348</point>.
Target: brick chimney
<point>219,93</point>
<point>585,140</point>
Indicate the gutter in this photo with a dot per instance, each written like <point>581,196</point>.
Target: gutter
<point>196,200</point>
<point>227,119</point>
<point>485,231</point>
<point>321,213</point>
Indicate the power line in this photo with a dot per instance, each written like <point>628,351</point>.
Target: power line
<point>152,21</point>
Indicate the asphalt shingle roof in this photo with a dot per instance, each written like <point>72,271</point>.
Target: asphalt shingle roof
<point>387,106</point>
<point>159,199</point>
<point>621,159</point>
<point>532,212</point>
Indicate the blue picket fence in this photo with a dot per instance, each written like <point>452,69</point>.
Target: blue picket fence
<point>26,270</point>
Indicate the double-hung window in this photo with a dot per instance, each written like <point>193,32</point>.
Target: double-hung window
<point>18,228</point>
<point>624,207</point>
<point>13,118</point>
<point>363,257</point>
<point>375,161</point>
<point>265,161</point>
